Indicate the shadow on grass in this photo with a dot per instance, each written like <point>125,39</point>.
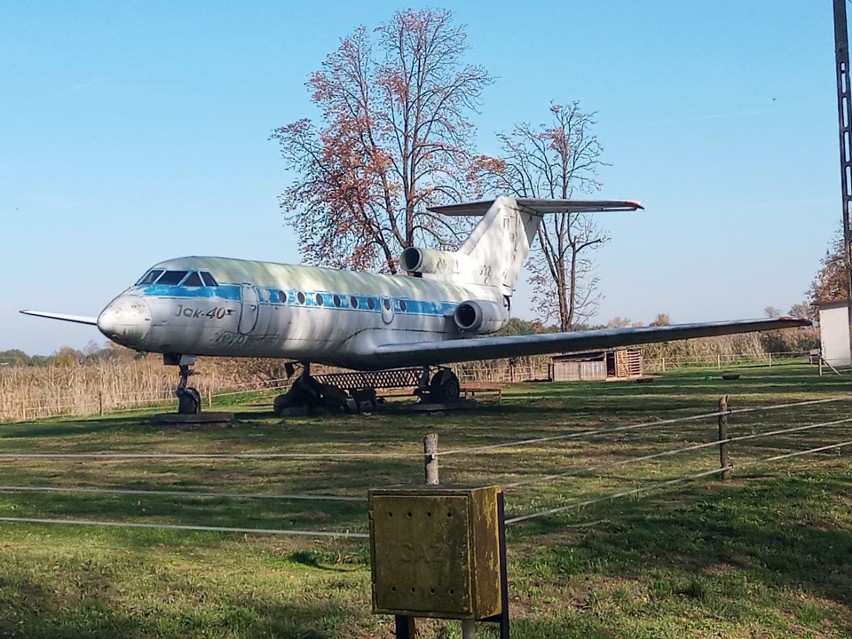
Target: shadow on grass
<point>779,532</point>
<point>73,427</point>
<point>97,612</point>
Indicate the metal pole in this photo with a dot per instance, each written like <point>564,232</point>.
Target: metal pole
<point>404,627</point>
<point>504,567</point>
<point>844,118</point>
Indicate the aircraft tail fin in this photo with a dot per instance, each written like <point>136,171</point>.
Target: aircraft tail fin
<point>501,241</point>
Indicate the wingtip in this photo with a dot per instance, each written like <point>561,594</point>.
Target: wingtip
<point>78,319</point>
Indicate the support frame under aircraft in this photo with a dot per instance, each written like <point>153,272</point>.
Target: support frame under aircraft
<point>444,309</point>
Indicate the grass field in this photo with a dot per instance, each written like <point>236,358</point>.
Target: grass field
<point>767,554</point>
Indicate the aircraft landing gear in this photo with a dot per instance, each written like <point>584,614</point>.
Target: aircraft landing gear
<point>444,387</point>
<point>307,393</point>
<point>189,399</point>
<point>304,393</point>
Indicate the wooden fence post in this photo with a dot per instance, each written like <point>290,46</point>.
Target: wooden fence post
<point>430,459</point>
<point>404,626</point>
<point>723,436</point>
<point>430,464</point>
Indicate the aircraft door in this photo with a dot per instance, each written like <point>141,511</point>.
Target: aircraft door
<point>249,309</point>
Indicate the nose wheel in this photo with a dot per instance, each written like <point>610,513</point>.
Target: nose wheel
<point>189,399</point>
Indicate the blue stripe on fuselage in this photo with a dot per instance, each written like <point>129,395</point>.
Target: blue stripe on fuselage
<point>223,291</point>
<point>232,292</point>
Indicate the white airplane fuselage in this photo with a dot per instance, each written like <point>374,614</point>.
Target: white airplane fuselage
<point>262,309</point>
<point>239,308</point>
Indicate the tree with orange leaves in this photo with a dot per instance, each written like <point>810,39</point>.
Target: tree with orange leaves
<point>393,138</point>
<point>831,282</point>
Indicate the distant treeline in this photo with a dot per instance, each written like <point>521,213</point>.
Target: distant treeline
<point>67,356</point>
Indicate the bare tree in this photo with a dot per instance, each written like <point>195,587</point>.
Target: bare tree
<point>556,160</point>
<point>394,138</point>
<point>803,309</point>
<point>661,319</point>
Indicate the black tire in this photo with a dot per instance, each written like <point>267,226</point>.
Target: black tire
<point>444,387</point>
<point>304,393</point>
<point>189,402</point>
<point>280,404</point>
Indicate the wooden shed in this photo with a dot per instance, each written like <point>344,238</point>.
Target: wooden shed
<point>597,366</point>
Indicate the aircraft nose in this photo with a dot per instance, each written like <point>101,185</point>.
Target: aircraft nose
<point>126,320</point>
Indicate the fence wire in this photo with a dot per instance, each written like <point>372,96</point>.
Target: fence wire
<point>223,529</point>
<point>177,493</point>
<point>380,455</point>
<point>617,429</point>
<point>671,482</point>
<point>667,453</point>
<point>223,456</point>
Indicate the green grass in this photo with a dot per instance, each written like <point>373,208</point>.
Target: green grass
<point>765,554</point>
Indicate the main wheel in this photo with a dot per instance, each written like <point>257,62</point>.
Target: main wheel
<point>444,387</point>
<point>189,402</point>
<point>304,393</point>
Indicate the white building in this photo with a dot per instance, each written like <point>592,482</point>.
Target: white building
<point>834,332</point>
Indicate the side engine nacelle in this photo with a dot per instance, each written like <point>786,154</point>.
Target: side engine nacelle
<point>480,317</point>
<point>444,264</point>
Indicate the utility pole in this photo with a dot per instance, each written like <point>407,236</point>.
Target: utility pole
<point>844,113</point>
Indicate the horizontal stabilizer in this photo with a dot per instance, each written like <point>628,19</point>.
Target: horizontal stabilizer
<point>541,206</point>
<point>460,350</point>
<point>79,319</point>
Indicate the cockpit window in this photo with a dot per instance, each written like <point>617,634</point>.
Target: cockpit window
<point>209,280</point>
<point>171,278</point>
<point>194,279</point>
<point>149,277</point>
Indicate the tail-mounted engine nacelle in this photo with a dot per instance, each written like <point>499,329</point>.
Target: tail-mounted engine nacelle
<point>480,316</point>
<point>448,264</point>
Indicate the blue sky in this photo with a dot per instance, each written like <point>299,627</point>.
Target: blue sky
<point>135,131</point>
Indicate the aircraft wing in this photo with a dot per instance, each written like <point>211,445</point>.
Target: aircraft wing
<point>541,206</point>
<point>79,319</point>
<point>459,350</point>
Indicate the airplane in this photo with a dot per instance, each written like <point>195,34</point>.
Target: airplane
<point>443,309</point>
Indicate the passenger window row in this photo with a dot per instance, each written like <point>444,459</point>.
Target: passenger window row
<point>340,301</point>
<point>195,278</point>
